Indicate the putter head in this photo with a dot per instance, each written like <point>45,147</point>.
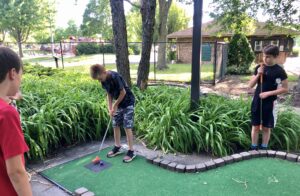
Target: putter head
<point>96,160</point>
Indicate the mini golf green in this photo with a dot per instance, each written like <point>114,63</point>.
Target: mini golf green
<point>264,176</point>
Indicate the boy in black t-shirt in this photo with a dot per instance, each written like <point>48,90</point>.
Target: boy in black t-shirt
<point>263,107</point>
<point>121,111</point>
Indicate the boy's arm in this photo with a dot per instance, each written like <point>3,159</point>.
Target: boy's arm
<point>109,104</point>
<point>122,94</point>
<point>18,176</point>
<point>282,89</point>
<point>253,80</point>
<point>120,98</point>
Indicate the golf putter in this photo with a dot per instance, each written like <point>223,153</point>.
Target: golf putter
<point>105,135</point>
<point>97,159</point>
<point>261,101</point>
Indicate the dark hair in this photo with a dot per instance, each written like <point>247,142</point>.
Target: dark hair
<point>8,60</point>
<point>271,50</point>
<point>96,70</point>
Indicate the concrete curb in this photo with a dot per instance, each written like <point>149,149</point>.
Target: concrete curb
<point>227,160</point>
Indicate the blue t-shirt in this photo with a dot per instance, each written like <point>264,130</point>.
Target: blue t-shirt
<point>272,78</point>
<point>114,84</point>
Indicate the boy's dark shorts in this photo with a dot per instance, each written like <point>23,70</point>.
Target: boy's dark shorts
<point>269,114</point>
<point>124,117</point>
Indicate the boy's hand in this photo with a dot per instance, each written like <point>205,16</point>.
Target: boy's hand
<point>115,108</point>
<point>264,95</point>
<point>260,70</point>
<point>111,113</point>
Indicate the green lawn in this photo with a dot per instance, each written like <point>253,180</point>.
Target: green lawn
<point>176,72</point>
<point>263,176</point>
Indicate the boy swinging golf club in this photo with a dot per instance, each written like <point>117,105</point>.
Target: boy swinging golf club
<point>121,111</point>
<point>271,80</point>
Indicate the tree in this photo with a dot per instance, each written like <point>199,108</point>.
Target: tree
<point>2,32</point>
<point>65,33</point>
<point>240,55</point>
<point>72,29</point>
<point>120,39</point>
<point>282,12</point>
<point>148,20</point>
<point>2,35</point>
<point>21,18</point>
<point>42,36</point>
<point>164,7</point>
<point>134,30</point>
<point>97,19</point>
<point>234,15</point>
<point>60,34</point>
<point>177,18</point>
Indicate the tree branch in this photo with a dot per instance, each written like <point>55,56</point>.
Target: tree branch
<point>133,4</point>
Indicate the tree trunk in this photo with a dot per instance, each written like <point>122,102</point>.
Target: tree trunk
<point>164,7</point>
<point>120,39</point>
<point>19,40</point>
<point>148,21</point>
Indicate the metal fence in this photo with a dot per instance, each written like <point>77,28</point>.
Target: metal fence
<point>177,57</point>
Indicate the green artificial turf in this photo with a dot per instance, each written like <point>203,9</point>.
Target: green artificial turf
<point>264,176</point>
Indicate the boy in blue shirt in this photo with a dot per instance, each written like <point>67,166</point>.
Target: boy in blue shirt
<point>120,101</point>
<point>263,107</point>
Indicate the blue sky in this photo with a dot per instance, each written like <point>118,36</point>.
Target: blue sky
<point>67,10</point>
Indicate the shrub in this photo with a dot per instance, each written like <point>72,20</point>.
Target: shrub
<point>107,48</point>
<point>39,70</point>
<point>240,55</point>
<point>238,70</point>
<point>135,49</point>
<point>94,48</point>
<point>87,48</point>
<point>65,115</point>
<point>171,55</point>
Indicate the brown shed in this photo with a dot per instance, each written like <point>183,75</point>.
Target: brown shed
<point>260,37</point>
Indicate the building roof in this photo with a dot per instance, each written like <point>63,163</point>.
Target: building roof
<point>211,29</point>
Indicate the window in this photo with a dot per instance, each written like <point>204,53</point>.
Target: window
<point>287,45</point>
<point>206,52</point>
<point>275,42</point>
<point>258,46</point>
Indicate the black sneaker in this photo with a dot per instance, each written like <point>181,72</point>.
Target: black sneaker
<point>129,156</point>
<point>114,152</point>
<point>253,147</point>
<point>263,148</point>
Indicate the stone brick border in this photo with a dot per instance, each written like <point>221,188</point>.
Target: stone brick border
<point>82,191</point>
<point>219,162</point>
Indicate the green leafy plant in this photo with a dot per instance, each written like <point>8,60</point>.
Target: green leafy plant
<point>64,111</point>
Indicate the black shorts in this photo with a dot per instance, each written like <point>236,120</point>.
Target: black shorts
<point>269,113</point>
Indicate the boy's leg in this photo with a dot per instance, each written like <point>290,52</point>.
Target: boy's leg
<point>117,136</point>
<point>254,137</point>
<point>128,125</point>
<point>117,120</point>
<point>269,121</point>
<point>266,137</point>
<point>129,136</point>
